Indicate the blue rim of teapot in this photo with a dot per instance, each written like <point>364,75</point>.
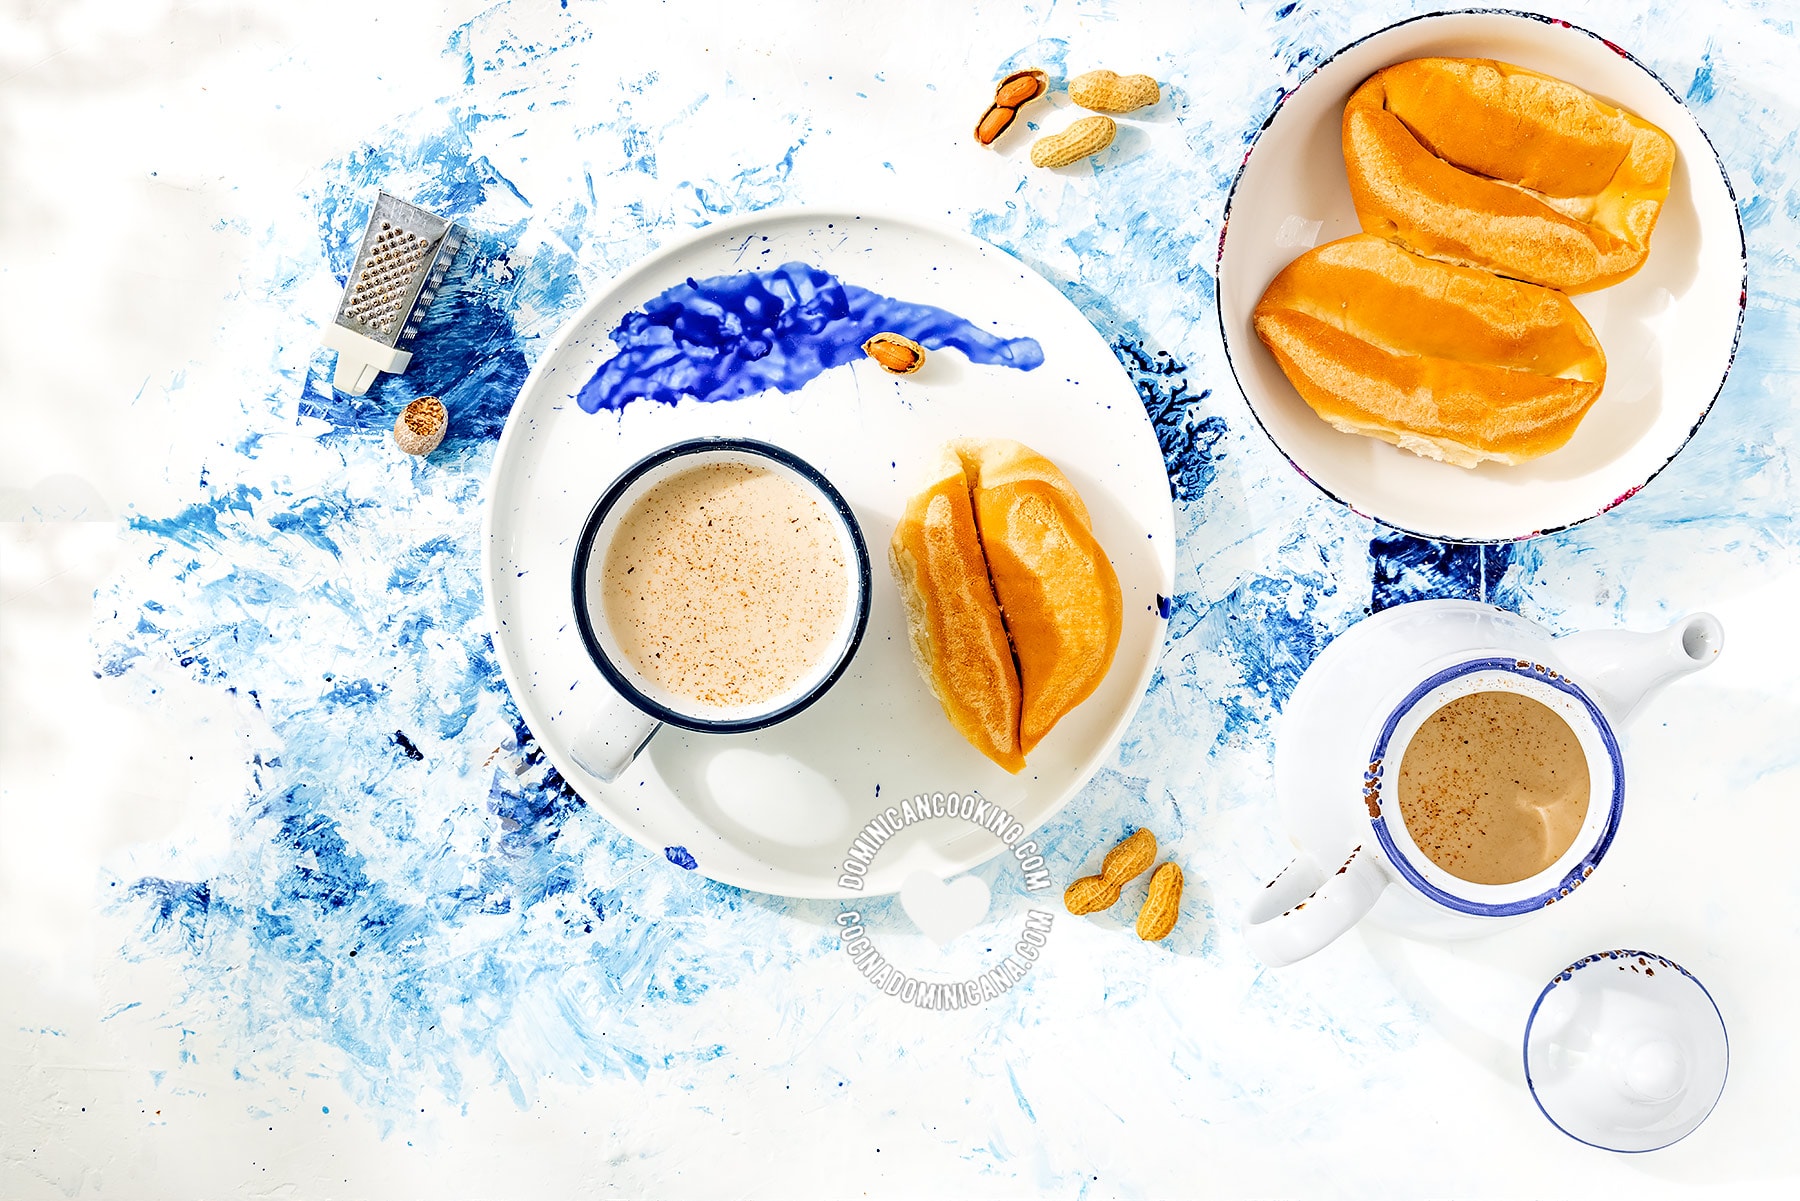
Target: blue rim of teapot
<point>1573,878</point>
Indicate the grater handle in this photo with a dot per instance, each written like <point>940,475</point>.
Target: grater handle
<point>360,359</point>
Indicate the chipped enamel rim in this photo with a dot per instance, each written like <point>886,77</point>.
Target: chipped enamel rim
<point>1568,974</point>
<point>1724,175</point>
<point>1582,865</point>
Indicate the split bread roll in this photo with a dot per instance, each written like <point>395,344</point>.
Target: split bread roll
<point>1014,555</point>
<point>1486,164</point>
<point>1058,593</point>
<point>1448,362</point>
<point>958,641</point>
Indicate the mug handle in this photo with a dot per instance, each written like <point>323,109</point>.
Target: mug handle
<point>608,739</point>
<point>1302,909</point>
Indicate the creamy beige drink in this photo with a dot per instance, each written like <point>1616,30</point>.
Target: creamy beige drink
<point>1494,787</point>
<point>726,584</point>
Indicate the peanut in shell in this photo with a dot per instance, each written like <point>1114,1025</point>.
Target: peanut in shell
<point>1086,137</point>
<point>1123,864</point>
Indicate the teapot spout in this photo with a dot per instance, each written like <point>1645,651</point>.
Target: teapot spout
<point>1621,670</point>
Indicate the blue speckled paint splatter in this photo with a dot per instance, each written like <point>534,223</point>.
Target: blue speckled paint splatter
<point>733,336</point>
<point>1701,89</point>
<point>177,910</point>
<point>1191,443</point>
<point>1407,568</point>
<point>412,883</point>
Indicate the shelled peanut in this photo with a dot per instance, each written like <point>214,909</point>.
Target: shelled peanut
<point>1010,94</point>
<point>895,353</point>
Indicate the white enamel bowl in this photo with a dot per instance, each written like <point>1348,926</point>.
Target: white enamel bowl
<point>1669,332</point>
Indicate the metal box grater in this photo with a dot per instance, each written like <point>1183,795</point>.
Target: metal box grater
<point>404,256</point>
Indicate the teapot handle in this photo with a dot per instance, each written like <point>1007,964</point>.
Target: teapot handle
<point>1302,909</point>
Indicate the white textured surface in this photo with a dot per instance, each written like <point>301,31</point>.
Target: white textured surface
<point>161,272</point>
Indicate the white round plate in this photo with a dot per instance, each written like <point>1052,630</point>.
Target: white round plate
<point>1669,331</point>
<point>776,810</point>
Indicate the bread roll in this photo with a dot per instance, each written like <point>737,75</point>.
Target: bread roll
<point>1058,593</point>
<point>957,638</point>
<point>1448,362</point>
<point>1013,608</point>
<point>1486,164</point>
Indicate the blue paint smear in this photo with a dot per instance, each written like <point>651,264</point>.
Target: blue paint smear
<point>1702,89</point>
<point>467,353</point>
<point>1270,628</point>
<point>1404,568</point>
<point>1019,1094</point>
<point>680,858</point>
<point>178,910</point>
<point>401,889</point>
<point>736,335</point>
<point>1190,443</point>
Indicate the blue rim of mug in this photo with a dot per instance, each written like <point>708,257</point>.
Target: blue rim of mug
<point>1567,974</point>
<point>1571,880</point>
<point>584,548</point>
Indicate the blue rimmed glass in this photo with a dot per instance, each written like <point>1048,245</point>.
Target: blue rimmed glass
<point>1626,1051</point>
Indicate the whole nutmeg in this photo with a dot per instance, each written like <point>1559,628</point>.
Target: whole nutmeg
<point>421,425</point>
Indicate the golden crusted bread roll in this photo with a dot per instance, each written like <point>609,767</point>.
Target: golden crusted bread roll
<point>1486,164</point>
<point>1448,362</point>
<point>1013,607</point>
<point>958,641</point>
<point>1058,593</point>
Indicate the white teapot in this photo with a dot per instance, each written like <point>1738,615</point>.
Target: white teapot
<point>1349,722</point>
